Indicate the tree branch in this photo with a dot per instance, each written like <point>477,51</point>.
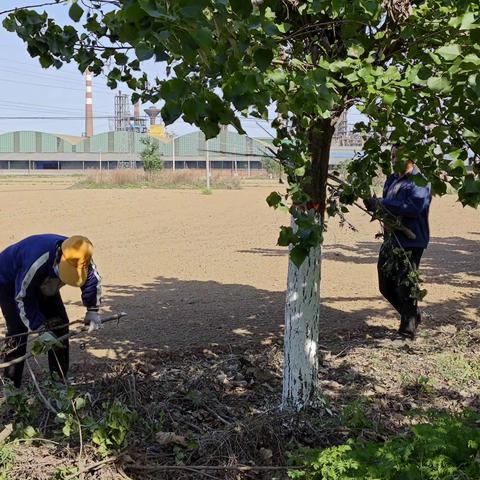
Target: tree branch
<point>46,4</point>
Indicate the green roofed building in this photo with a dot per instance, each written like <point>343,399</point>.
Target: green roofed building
<point>31,150</point>
<point>110,150</point>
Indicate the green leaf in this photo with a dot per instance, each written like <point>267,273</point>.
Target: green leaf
<point>243,8</point>
<point>286,236</point>
<point>191,11</point>
<point>450,52</point>
<point>468,21</point>
<point>75,12</point>
<point>419,180</point>
<point>67,429</point>
<point>29,432</point>
<point>80,403</point>
<point>274,199</point>
<point>298,254</point>
<point>143,52</point>
<point>300,172</point>
<point>355,51</point>
<point>277,76</point>
<point>471,185</point>
<point>263,58</point>
<point>439,84</point>
<point>389,98</point>
<point>457,168</point>
<point>471,58</point>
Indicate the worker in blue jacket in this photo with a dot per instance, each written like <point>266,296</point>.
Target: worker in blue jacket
<point>409,203</point>
<point>32,272</point>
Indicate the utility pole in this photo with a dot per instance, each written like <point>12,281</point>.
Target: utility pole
<point>208,167</point>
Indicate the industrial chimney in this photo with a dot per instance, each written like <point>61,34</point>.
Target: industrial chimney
<point>88,104</point>
<point>137,110</point>
<point>152,113</point>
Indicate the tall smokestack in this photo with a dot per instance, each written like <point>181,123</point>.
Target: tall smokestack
<point>137,110</point>
<point>88,104</point>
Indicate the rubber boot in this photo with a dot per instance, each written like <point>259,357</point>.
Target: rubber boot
<point>408,327</point>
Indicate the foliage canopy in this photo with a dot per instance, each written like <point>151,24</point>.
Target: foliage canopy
<point>411,66</point>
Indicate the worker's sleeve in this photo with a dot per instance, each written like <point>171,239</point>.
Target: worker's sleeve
<point>92,290</point>
<point>415,202</point>
<point>26,293</point>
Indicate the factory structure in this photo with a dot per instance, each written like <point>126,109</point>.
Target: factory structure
<point>121,146</point>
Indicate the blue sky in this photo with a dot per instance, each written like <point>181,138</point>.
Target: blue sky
<point>27,90</point>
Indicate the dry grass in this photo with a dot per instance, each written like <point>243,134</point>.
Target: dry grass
<point>131,178</point>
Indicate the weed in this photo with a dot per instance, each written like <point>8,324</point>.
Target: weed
<point>206,191</point>
<point>132,178</point>
<point>6,461</point>
<point>353,414</point>
<point>110,432</point>
<point>23,409</point>
<point>64,472</point>
<point>421,384</point>
<point>454,367</point>
<point>108,428</point>
<point>446,448</point>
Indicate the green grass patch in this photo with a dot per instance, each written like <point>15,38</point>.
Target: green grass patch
<point>456,368</point>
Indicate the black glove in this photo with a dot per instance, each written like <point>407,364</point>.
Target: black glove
<point>371,204</point>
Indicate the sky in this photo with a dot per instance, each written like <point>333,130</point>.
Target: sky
<point>28,90</point>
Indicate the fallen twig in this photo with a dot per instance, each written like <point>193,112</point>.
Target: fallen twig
<point>240,468</point>
<point>92,466</point>
<point>40,393</point>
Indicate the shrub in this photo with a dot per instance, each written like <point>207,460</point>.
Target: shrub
<point>448,448</point>
<point>150,156</point>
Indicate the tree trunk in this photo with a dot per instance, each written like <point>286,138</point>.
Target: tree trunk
<point>302,310</point>
<point>302,330</point>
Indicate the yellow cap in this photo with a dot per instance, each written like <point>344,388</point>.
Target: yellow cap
<point>77,253</point>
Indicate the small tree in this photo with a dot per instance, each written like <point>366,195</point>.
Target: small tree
<point>272,166</point>
<point>411,66</point>
<point>151,156</point>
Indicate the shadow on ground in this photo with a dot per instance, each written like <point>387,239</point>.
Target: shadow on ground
<point>204,360</point>
<point>173,314</point>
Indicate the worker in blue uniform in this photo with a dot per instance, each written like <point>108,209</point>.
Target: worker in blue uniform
<point>409,202</point>
<point>32,272</point>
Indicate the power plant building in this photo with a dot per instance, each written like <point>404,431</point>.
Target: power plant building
<point>121,149</point>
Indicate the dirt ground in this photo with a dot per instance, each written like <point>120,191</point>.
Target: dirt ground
<point>200,353</point>
<point>193,269</point>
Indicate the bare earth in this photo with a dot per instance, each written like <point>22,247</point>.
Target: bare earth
<point>193,269</point>
<point>200,353</point>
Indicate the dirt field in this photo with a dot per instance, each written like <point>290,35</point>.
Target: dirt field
<point>193,269</point>
<point>200,353</point>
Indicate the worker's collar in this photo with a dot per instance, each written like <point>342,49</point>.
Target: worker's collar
<point>58,254</point>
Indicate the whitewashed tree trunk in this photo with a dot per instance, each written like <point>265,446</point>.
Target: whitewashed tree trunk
<point>302,329</point>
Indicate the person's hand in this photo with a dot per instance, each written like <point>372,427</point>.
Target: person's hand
<point>93,320</point>
<point>371,204</point>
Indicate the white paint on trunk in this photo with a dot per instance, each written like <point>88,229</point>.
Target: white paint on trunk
<point>302,330</point>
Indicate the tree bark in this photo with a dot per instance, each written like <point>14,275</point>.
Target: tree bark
<point>302,309</point>
<point>302,330</point>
